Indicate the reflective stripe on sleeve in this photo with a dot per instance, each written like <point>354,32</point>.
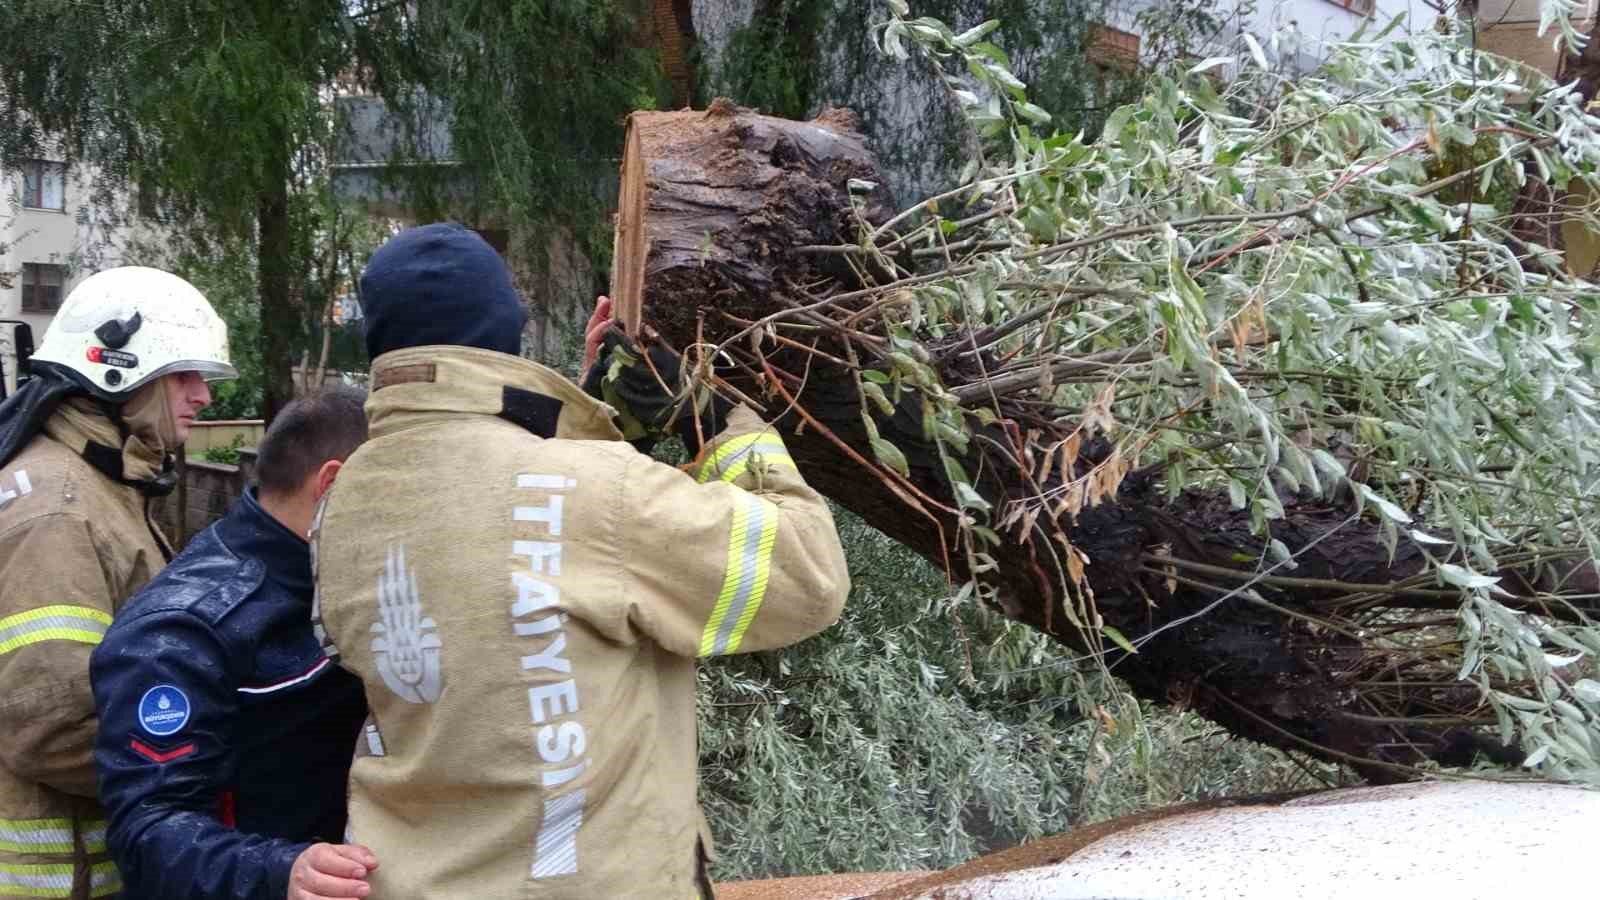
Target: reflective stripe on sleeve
<point>55,880</point>
<point>83,624</point>
<point>732,459</point>
<point>744,581</point>
<point>49,836</point>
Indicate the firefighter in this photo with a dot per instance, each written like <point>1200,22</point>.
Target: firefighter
<point>524,595</point>
<point>84,447</point>
<point>225,733</point>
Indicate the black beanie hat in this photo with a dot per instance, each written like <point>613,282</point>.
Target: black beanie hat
<point>439,284</point>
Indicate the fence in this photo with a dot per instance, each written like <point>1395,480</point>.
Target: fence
<point>222,433</point>
<point>205,491</point>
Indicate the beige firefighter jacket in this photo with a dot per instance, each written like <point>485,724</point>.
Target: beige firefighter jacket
<point>526,614</point>
<point>74,545</point>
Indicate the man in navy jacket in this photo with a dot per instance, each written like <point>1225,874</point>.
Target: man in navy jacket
<point>226,735</point>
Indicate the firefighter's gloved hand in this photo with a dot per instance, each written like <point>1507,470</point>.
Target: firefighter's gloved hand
<point>642,386</point>
<point>639,389</point>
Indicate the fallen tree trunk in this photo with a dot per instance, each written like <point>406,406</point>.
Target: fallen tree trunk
<point>732,223</point>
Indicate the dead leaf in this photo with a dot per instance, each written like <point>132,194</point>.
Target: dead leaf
<point>1106,719</point>
<point>1069,455</point>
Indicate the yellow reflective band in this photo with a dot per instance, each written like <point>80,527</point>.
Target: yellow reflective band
<point>762,574</point>
<point>45,612</point>
<point>753,535</point>
<point>50,836</point>
<point>728,448</point>
<point>55,880</point>
<point>730,460</point>
<point>742,465</point>
<point>104,879</point>
<point>83,624</point>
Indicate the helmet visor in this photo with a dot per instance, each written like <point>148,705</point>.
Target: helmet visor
<point>209,369</point>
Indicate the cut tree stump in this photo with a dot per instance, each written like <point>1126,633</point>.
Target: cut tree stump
<point>727,217</point>
<point>713,203</point>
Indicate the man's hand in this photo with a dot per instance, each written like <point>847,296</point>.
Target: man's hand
<point>595,331</point>
<point>331,872</point>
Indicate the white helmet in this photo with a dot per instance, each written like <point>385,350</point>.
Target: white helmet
<point>123,328</point>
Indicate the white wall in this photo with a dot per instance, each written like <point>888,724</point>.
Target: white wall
<point>1327,20</point>
<point>1320,22</point>
<point>77,238</point>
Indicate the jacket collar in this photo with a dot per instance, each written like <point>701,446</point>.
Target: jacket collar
<point>426,385</point>
<point>85,429</point>
<point>249,531</point>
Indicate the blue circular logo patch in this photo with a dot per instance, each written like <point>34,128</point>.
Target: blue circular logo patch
<point>163,710</point>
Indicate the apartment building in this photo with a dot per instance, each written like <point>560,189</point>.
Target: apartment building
<point>54,232</point>
<point>1118,42</point>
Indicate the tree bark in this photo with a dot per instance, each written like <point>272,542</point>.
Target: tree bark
<point>712,204</point>
<point>280,319</point>
<point>726,217</point>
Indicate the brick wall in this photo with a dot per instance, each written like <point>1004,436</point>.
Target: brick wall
<point>1113,47</point>
<point>206,491</point>
<point>670,20</point>
<point>1520,40</point>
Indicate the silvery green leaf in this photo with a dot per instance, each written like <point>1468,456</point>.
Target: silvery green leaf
<point>1004,76</point>
<point>1522,704</point>
<point>1587,690</point>
<point>1032,112</point>
<point>1536,757</point>
<point>1280,553</point>
<point>1567,711</point>
<point>1465,578</point>
<point>975,34</point>
<point>1423,537</point>
<point>1268,502</point>
<point>891,41</point>
<point>969,498</point>
<point>890,455</point>
<point>1255,50</point>
<point>1386,508</point>
<point>1211,62</point>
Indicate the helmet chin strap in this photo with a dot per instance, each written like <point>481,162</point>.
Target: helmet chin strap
<point>108,461</point>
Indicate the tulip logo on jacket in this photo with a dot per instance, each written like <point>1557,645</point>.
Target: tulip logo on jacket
<point>405,643</point>
<point>163,710</point>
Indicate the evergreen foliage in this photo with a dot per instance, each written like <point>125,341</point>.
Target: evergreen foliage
<point>212,111</point>
<point>535,93</point>
<point>795,57</point>
<point>333,241</point>
<point>771,64</point>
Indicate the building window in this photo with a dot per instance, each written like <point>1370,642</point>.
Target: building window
<point>1113,48</point>
<point>1359,7</point>
<point>44,184</point>
<point>41,287</point>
